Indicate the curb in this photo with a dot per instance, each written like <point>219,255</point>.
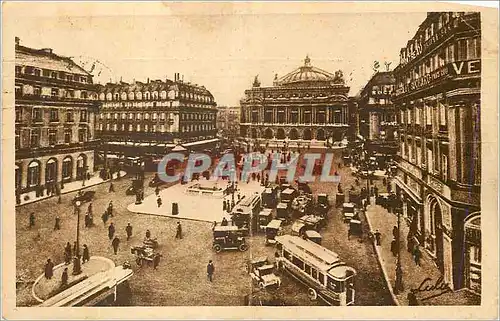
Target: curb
<point>171,216</point>
<point>382,267</point>
<point>67,192</point>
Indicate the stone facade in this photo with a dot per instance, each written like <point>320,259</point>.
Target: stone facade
<point>55,106</point>
<point>153,116</point>
<point>308,104</point>
<point>438,104</point>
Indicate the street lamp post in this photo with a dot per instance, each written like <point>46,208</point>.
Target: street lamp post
<point>77,269</point>
<point>398,286</point>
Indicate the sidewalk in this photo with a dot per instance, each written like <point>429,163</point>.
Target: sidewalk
<point>379,219</point>
<point>44,288</point>
<point>68,188</point>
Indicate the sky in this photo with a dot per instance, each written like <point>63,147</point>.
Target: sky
<point>223,52</point>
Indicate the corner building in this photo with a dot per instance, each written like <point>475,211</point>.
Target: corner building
<point>307,105</point>
<point>439,176</point>
<point>148,118</point>
<point>55,107</point>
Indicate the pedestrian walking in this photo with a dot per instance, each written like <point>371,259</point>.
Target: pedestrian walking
<point>115,243</point>
<point>105,217</point>
<point>156,260</point>
<point>375,189</point>
<point>394,247</point>
<point>378,236</point>
<point>395,232</point>
<point>178,234</point>
<point>32,219</point>
<point>75,249</point>
<point>67,253</point>
<point>48,270</point>
<point>157,190</point>
<point>148,234</point>
<point>87,220</point>
<point>417,254</point>
<point>409,242</point>
<point>110,208</point>
<point>91,220</point>
<point>224,207</point>
<point>64,278</point>
<point>89,209</point>
<point>210,270</point>
<point>128,229</point>
<point>349,233</point>
<point>111,231</point>
<point>86,254</point>
<point>111,187</point>
<point>57,225</point>
<point>158,201</point>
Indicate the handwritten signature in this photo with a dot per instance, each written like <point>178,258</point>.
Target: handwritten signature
<point>427,285</point>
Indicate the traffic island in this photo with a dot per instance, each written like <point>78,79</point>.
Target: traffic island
<point>44,288</point>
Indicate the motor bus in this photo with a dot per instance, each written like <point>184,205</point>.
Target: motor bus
<point>246,212</point>
<point>321,270</point>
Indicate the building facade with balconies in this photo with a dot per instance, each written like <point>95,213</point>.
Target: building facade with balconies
<point>55,107</point>
<point>377,115</point>
<point>437,97</point>
<point>148,118</point>
<point>308,104</point>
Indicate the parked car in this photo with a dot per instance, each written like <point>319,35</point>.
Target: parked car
<point>272,229</point>
<point>228,238</point>
<point>262,272</point>
<point>87,196</point>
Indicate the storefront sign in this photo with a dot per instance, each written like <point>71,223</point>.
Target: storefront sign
<point>466,67</point>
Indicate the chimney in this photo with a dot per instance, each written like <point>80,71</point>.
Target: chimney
<point>182,78</point>
<point>147,81</point>
<point>18,41</point>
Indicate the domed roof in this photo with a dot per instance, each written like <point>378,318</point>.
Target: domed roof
<point>306,74</point>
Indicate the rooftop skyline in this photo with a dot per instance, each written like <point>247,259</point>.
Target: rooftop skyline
<point>224,53</point>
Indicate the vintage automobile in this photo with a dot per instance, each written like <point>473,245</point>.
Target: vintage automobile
<point>306,223</point>
<point>143,254</point>
<point>348,211</point>
<point>323,200</point>
<point>272,229</point>
<point>262,273</point>
<point>302,204</point>
<point>313,236</point>
<point>228,238</point>
<point>288,195</point>
<point>283,211</point>
<point>87,196</point>
<point>270,197</point>
<point>355,227</point>
<point>265,216</point>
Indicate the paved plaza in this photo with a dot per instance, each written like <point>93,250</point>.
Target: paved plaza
<point>199,207</point>
<point>180,279</point>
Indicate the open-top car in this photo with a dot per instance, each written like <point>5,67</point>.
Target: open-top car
<point>87,196</point>
<point>228,238</point>
<point>262,272</point>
